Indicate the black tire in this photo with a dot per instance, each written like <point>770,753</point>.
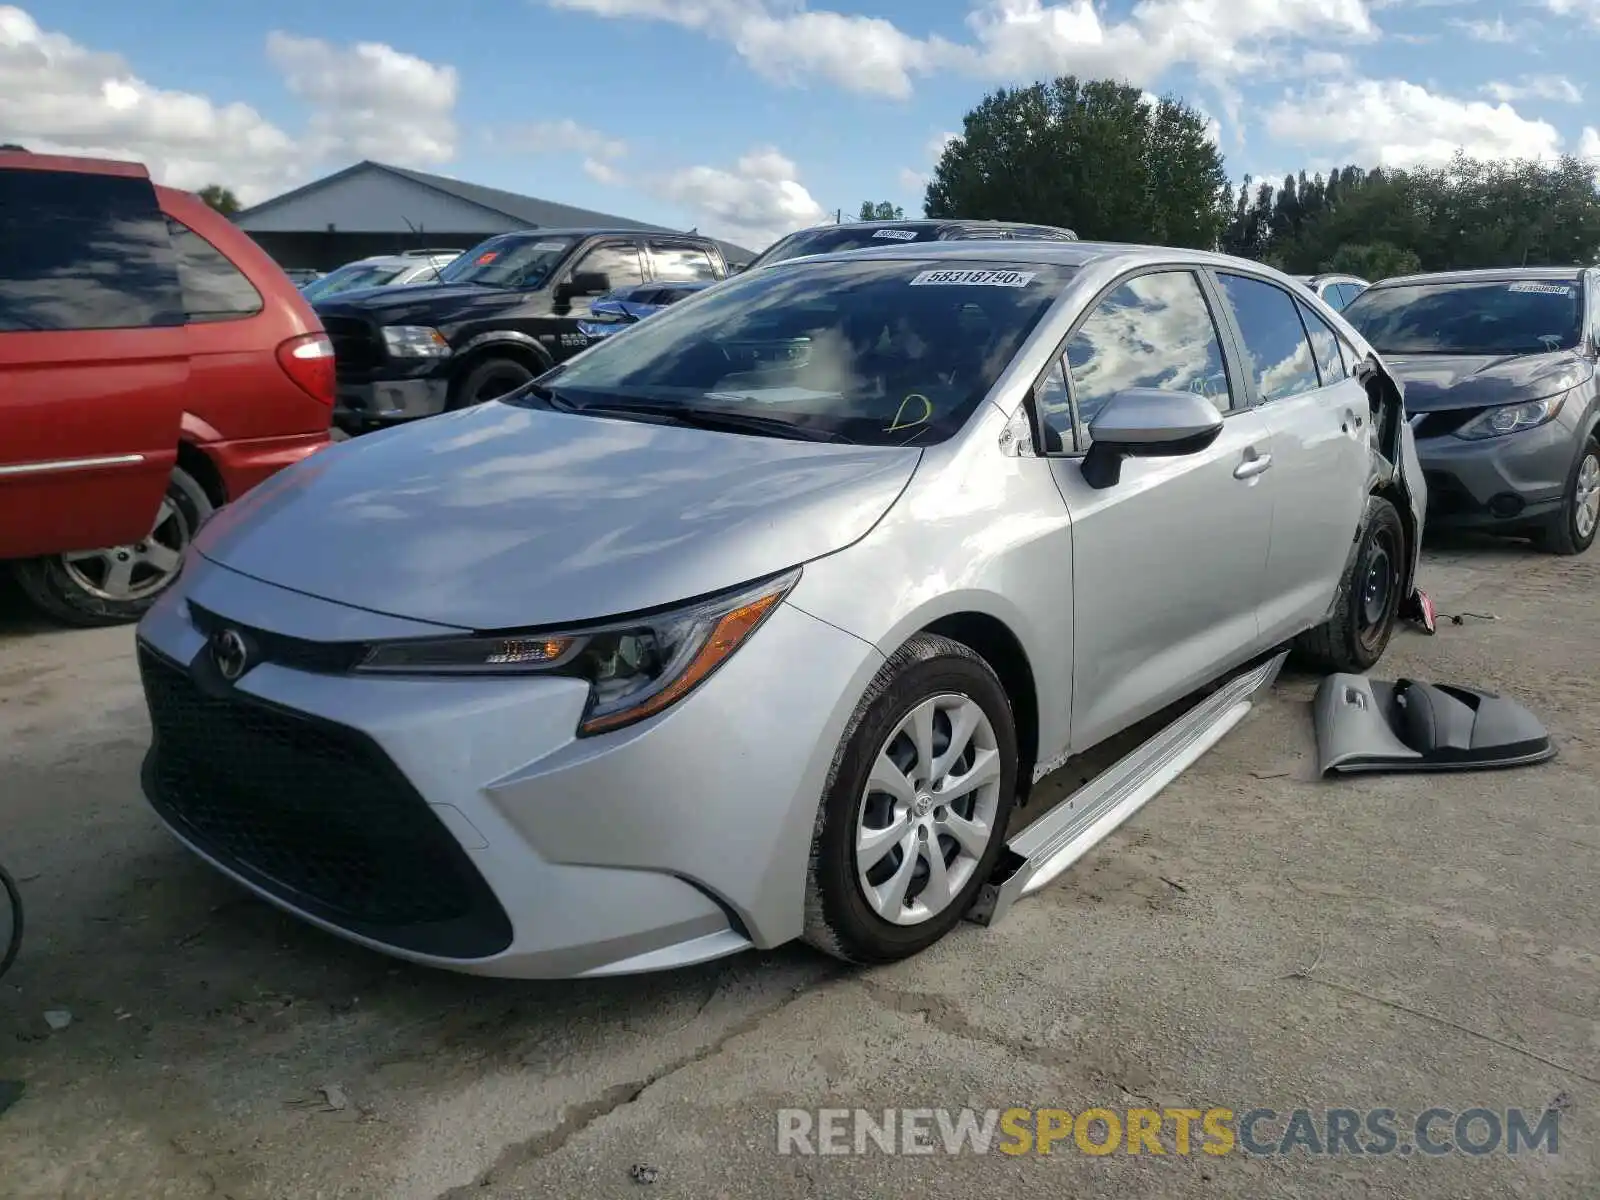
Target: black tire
<point>66,591</point>
<point>1354,638</point>
<point>838,919</point>
<point>1562,535</point>
<point>488,379</point>
<point>12,899</point>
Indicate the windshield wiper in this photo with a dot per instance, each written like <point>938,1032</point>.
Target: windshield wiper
<point>722,420</point>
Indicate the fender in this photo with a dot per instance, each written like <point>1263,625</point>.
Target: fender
<point>192,429</point>
<point>505,337</point>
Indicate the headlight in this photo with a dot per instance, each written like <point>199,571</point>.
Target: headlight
<point>415,341</point>
<point>1511,418</point>
<point>635,668</point>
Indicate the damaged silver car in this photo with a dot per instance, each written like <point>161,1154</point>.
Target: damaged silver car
<point>759,623</point>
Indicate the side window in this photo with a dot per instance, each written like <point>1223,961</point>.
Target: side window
<point>682,264</point>
<point>213,288</point>
<point>1324,346</point>
<point>1054,406</point>
<point>1274,340</point>
<point>84,252</point>
<point>617,261</point>
<point>1155,331</point>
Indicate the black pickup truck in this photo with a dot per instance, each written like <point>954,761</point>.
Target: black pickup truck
<point>500,315</point>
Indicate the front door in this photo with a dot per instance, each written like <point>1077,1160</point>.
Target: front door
<point>619,265</point>
<point>94,360</point>
<point>1168,563</point>
<point>1318,417</point>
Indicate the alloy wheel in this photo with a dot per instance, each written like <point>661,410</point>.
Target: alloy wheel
<point>928,810</point>
<point>1586,501</point>
<point>138,569</point>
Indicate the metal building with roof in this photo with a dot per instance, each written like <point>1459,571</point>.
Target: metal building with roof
<point>374,208</point>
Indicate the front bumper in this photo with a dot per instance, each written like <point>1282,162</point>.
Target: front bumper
<point>377,401</point>
<point>460,824</point>
<point>1497,483</point>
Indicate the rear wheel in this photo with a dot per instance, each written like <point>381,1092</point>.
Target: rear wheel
<point>490,379</point>
<point>1354,638</point>
<point>1572,528</point>
<point>117,584</point>
<point>914,812</point>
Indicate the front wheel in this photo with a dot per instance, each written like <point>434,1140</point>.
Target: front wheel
<point>1354,638</point>
<point>914,811</point>
<point>115,585</point>
<point>1572,528</point>
<point>490,379</point>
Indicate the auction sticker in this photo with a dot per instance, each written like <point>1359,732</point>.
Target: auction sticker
<point>1544,289</point>
<point>1014,279</point>
<point>899,235</point>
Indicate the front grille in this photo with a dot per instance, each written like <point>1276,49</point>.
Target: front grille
<point>356,348</point>
<point>1437,424</point>
<point>300,654</point>
<point>312,812</point>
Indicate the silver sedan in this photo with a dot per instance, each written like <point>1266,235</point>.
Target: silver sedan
<point>759,623</point>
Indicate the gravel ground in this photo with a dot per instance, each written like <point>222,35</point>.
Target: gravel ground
<point>1254,938</point>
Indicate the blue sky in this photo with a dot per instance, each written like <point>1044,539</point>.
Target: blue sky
<point>749,117</point>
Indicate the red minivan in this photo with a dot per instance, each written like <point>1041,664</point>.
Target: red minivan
<point>154,364</point>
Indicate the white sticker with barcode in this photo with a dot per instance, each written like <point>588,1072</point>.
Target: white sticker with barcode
<point>898,235</point>
<point>548,246</point>
<point>1543,289</point>
<point>1012,279</point>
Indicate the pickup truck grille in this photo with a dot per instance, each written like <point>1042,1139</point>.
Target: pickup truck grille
<point>356,347</point>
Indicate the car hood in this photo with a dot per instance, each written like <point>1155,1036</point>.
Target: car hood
<point>499,517</point>
<point>419,303</point>
<point>1436,382</point>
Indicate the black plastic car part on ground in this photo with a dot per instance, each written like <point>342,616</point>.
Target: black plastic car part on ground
<point>859,235</point>
<point>501,314</point>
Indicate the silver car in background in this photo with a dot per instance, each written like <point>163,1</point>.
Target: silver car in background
<point>757,623</point>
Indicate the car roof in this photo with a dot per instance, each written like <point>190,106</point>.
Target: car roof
<point>28,161</point>
<point>1067,254</point>
<point>602,231</point>
<point>1486,275</point>
<point>932,223</point>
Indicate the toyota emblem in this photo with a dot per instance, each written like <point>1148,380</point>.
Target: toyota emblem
<point>230,653</point>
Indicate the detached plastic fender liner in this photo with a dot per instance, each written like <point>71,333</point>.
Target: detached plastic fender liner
<point>1364,725</point>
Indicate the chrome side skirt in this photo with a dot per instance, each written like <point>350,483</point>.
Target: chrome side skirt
<point>69,464</point>
<point>1067,832</point>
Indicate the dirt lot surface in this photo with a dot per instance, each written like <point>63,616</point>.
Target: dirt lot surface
<point>1253,938</point>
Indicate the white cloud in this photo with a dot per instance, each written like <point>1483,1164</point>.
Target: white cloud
<point>1538,87</point>
<point>755,203</point>
<point>1496,31</point>
<point>1325,62</point>
<point>1588,10</point>
<point>913,181</point>
<point>1589,143</point>
<point>937,144</point>
<point>1392,123</point>
<point>368,100</point>
<point>601,171</point>
<point>564,136</point>
<point>1010,39</point>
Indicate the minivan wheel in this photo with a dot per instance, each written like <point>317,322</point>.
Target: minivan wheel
<point>1572,527</point>
<point>491,378</point>
<point>1354,638</point>
<point>117,584</point>
<point>914,812</point>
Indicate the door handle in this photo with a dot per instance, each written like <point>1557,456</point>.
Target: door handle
<point>1252,466</point>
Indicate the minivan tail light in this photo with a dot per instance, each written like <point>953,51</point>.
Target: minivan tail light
<point>308,360</point>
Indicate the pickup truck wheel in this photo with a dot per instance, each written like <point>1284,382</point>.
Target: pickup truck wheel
<point>116,585</point>
<point>491,378</point>
<point>1363,620</point>
<point>1572,528</point>
<point>914,811</point>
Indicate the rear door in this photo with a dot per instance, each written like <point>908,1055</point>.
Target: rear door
<point>94,363</point>
<point>1317,418</point>
<point>675,263</point>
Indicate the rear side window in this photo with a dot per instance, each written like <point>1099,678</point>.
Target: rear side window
<point>1324,346</point>
<point>1269,322</point>
<point>682,264</point>
<point>213,288</point>
<point>84,252</point>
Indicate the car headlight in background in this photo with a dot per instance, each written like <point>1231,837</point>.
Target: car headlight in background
<point>415,341</point>
<point>1512,418</point>
<point>635,668</point>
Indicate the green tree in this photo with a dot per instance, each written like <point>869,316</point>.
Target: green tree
<point>220,198</point>
<point>1374,260</point>
<point>881,211</point>
<point>1093,156</point>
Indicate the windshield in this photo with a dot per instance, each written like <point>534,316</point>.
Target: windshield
<point>884,352</point>
<point>832,239</point>
<point>1507,316</point>
<point>348,278</point>
<point>520,261</point>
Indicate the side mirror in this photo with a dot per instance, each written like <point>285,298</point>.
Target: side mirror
<point>586,283</point>
<point>1147,423</point>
